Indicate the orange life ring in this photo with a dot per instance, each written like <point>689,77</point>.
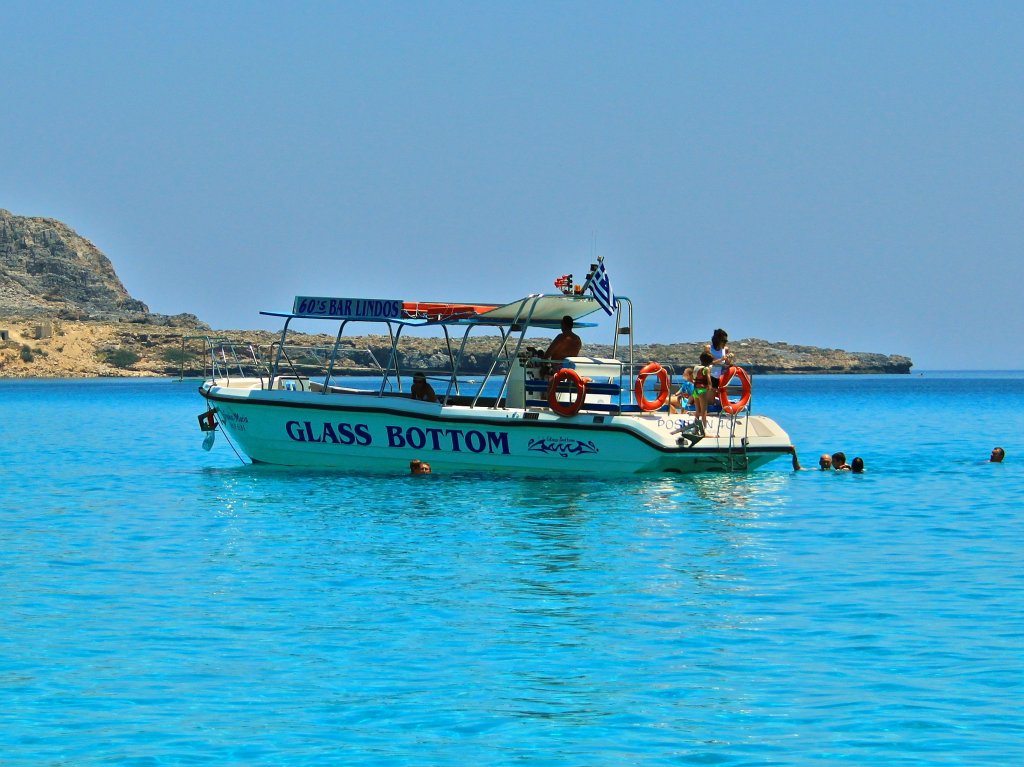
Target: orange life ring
<point>566,408</point>
<point>652,368</point>
<point>723,393</point>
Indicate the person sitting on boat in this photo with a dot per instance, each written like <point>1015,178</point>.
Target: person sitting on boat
<point>684,396</point>
<point>421,390</point>
<point>565,344</point>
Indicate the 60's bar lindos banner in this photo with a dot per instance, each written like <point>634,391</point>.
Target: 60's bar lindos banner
<point>347,308</point>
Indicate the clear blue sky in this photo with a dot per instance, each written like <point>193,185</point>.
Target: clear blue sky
<point>838,174</point>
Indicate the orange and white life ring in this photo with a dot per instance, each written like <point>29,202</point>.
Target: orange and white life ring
<point>652,368</point>
<point>723,393</point>
<point>566,408</point>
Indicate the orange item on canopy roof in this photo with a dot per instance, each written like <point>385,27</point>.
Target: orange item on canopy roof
<point>433,310</point>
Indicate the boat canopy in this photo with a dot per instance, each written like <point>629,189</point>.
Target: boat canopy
<point>542,310</point>
<point>537,310</point>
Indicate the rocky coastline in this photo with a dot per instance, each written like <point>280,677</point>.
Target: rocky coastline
<point>64,313</point>
<point>35,348</point>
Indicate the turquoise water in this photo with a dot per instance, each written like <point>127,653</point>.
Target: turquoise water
<point>163,605</point>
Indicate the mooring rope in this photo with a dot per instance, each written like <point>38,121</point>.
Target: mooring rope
<point>231,444</point>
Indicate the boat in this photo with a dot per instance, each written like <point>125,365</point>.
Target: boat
<point>520,412</point>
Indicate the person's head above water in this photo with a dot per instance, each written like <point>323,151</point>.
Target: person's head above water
<point>998,454</point>
<point>857,465</point>
<point>825,462</point>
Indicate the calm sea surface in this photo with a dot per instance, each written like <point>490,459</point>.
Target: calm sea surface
<point>162,605</point>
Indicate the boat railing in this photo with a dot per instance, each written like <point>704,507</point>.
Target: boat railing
<point>225,360</point>
<point>219,359</point>
<point>618,391</point>
<point>196,358</point>
<point>306,361</point>
<point>537,397</point>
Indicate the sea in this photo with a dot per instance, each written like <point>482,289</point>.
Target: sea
<point>165,605</point>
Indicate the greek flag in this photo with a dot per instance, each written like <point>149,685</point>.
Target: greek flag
<point>601,287</point>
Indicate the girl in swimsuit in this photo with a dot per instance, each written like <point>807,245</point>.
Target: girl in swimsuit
<point>702,391</point>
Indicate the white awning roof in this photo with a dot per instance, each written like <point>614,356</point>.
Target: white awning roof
<point>537,310</point>
<point>542,310</point>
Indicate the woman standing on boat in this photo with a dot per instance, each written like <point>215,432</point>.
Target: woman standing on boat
<point>719,352</point>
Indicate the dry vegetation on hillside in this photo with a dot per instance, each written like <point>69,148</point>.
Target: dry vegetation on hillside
<point>77,349</point>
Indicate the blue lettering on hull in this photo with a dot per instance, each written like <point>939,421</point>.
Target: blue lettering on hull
<point>415,437</point>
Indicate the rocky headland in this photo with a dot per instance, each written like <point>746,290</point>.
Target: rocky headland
<point>64,313</point>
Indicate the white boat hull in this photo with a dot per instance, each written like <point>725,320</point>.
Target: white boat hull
<point>366,432</point>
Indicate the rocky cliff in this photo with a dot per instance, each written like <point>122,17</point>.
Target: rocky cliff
<point>46,268</point>
<point>65,313</point>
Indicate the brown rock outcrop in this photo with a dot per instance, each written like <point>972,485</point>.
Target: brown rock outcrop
<point>46,268</point>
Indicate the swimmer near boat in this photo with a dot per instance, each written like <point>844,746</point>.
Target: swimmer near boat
<point>288,404</point>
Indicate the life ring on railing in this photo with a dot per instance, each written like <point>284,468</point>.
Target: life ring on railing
<point>732,408</point>
<point>652,368</point>
<point>566,408</point>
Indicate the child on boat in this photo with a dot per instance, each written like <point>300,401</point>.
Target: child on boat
<point>678,401</point>
<point>702,390</point>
